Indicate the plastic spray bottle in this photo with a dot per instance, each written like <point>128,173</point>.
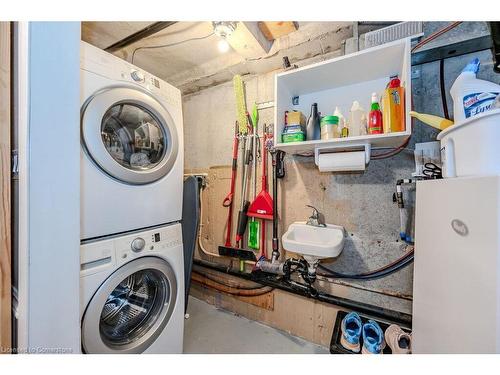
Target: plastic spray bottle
<point>472,96</point>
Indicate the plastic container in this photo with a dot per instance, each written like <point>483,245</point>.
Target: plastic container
<point>472,96</point>
<point>357,120</point>
<point>471,147</point>
<point>341,117</point>
<point>330,127</point>
<point>295,118</point>
<point>293,137</point>
<point>393,107</point>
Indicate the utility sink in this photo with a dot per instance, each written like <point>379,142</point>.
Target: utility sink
<point>313,242</point>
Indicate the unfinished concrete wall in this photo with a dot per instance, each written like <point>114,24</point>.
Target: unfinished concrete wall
<point>362,203</point>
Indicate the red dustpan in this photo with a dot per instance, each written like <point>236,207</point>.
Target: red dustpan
<point>262,206</point>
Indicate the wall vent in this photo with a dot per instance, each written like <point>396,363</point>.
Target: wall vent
<point>394,32</point>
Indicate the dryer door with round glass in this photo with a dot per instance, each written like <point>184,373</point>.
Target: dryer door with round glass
<point>131,308</point>
<point>129,135</point>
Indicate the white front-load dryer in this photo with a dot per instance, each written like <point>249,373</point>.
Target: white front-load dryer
<point>132,293</point>
<point>131,147</point>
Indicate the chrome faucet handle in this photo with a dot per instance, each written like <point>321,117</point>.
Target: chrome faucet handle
<point>315,213</point>
<point>316,219</point>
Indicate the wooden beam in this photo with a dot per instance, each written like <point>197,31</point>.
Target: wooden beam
<point>275,30</point>
<point>5,209</point>
<point>249,41</point>
<point>139,35</point>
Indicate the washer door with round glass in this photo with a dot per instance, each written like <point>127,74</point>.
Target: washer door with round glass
<point>129,135</point>
<point>131,308</point>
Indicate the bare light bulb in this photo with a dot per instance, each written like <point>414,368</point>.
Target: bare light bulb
<point>223,45</point>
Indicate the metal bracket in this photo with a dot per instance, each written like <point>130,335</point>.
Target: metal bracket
<point>265,105</point>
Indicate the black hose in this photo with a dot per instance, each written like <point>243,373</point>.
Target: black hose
<point>443,90</point>
<point>371,275</point>
<point>341,302</point>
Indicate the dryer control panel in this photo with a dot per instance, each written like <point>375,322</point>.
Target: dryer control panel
<point>113,252</point>
<point>104,64</point>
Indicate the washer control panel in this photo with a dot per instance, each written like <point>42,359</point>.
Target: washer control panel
<point>155,241</point>
<point>100,256</point>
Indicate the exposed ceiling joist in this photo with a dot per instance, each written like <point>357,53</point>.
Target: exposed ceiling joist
<point>248,41</point>
<point>275,30</point>
<point>138,35</point>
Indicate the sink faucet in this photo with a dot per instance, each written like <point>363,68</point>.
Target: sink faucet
<point>316,219</point>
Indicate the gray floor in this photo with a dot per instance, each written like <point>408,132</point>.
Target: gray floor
<point>210,330</point>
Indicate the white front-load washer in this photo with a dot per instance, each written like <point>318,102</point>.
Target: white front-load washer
<point>131,147</point>
<point>132,292</point>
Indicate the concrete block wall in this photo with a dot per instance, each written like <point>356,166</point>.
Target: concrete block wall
<point>362,203</point>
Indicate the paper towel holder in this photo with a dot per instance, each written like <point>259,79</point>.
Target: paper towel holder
<point>366,147</point>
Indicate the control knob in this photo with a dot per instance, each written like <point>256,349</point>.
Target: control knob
<point>138,244</point>
<point>137,76</point>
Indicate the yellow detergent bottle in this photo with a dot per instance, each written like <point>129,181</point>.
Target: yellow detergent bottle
<point>393,108</point>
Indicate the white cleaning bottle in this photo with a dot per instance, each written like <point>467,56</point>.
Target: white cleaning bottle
<point>472,96</point>
<point>357,120</point>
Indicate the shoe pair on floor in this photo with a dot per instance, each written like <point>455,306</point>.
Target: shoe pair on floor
<point>373,337</point>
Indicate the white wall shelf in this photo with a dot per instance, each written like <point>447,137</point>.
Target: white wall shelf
<point>338,82</point>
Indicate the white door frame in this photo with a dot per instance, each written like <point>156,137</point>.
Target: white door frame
<point>48,92</point>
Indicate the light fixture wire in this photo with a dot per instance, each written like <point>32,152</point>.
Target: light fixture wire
<point>169,45</point>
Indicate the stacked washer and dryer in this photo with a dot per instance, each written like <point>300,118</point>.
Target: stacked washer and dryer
<point>131,257</point>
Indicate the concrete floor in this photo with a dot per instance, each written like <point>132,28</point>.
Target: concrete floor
<point>213,331</point>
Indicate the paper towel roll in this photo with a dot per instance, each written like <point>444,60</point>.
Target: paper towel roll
<point>342,161</point>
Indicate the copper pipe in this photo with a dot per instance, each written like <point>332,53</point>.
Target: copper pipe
<point>225,289</point>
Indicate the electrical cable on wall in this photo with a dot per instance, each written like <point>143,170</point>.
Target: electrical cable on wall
<point>443,89</point>
<point>169,45</point>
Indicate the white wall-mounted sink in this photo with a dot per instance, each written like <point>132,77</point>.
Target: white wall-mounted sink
<point>314,243</point>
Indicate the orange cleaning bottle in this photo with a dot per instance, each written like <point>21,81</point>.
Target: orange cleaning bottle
<point>393,106</point>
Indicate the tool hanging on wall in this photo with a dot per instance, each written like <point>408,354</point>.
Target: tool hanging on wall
<point>278,157</point>
<point>244,122</point>
<point>254,226</point>
<point>229,199</point>
<point>245,203</point>
<point>262,206</point>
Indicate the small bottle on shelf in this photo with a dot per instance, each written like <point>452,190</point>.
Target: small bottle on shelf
<point>357,120</point>
<point>313,126</point>
<point>375,122</point>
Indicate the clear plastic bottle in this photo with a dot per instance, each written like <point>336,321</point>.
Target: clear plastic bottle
<point>339,114</point>
<point>357,120</point>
